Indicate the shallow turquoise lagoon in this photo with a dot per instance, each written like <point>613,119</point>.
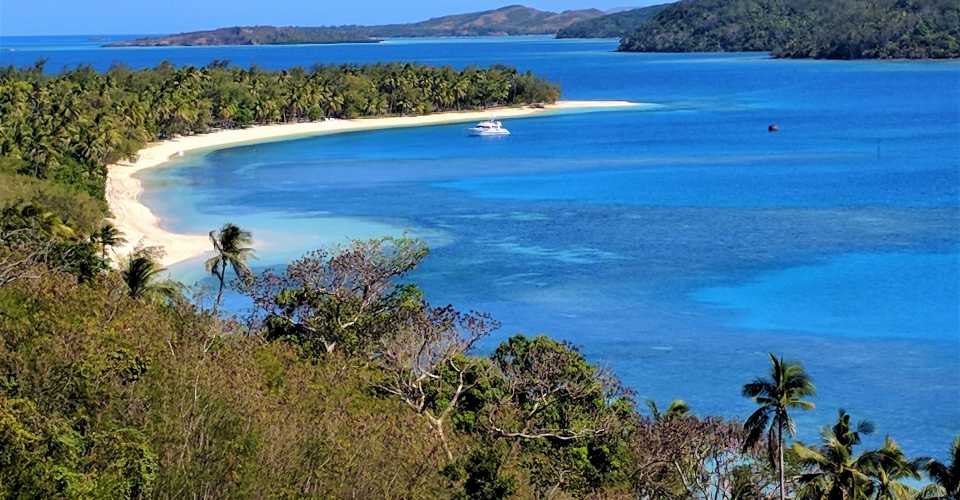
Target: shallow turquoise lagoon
<point>678,244</point>
<point>894,295</point>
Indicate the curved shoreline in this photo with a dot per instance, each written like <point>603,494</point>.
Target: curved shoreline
<point>142,228</point>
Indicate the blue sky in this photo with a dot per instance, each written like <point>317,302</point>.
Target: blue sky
<point>59,17</point>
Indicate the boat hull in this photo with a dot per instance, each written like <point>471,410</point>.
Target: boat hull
<point>486,132</point>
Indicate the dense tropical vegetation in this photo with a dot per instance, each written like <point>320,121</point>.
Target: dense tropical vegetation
<point>851,29</point>
<point>67,128</point>
<point>342,379</point>
<point>615,25</point>
<point>345,381</point>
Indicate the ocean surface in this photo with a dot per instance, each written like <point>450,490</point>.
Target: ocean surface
<point>677,243</point>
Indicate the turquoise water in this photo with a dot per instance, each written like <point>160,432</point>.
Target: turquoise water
<point>676,244</point>
<point>819,298</point>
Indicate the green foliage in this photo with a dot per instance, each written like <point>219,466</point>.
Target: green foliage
<point>67,128</point>
<point>677,409</point>
<point>75,208</point>
<point>32,236</point>
<point>109,397</point>
<point>104,394</point>
<point>481,474</point>
<point>347,301</point>
<point>141,275</point>
<point>834,470</point>
<point>231,245</point>
<point>945,476</point>
<point>565,413</point>
<point>42,456</point>
<point>851,29</point>
<point>776,397</point>
<point>106,237</point>
<point>253,35</point>
<point>56,435</point>
<point>616,25</point>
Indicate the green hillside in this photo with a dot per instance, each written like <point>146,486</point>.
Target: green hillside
<point>852,29</point>
<point>253,35</point>
<point>616,25</point>
<point>510,20</point>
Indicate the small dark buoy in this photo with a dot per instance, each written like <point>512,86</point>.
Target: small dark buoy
<point>773,127</point>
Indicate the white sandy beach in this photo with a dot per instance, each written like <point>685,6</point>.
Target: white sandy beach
<point>142,228</point>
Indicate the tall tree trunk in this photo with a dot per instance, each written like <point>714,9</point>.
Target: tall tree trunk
<point>783,486</point>
<point>223,274</point>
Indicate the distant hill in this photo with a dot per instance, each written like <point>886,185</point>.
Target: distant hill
<point>827,29</point>
<point>614,25</point>
<point>512,20</point>
<point>252,35</point>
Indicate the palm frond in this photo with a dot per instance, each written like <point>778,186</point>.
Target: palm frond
<point>808,456</point>
<point>755,425</point>
<point>759,387</point>
<point>212,265</point>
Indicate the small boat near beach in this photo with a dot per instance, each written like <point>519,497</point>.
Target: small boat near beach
<point>489,127</point>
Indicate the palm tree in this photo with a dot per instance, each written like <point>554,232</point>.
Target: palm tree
<point>836,472</point>
<point>232,246</point>
<point>49,222</point>
<point>140,275</point>
<point>107,236</point>
<point>887,466</point>
<point>946,477</point>
<point>678,409</point>
<point>461,89</point>
<point>784,390</point>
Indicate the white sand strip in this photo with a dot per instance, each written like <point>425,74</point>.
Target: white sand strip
<point>142,228</point>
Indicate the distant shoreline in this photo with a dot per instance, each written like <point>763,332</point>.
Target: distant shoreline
<point>142,228</point>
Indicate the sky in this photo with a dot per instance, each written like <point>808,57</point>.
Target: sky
<point>102,17</point>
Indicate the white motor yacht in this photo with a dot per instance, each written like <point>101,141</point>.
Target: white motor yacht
<point>489,127</point>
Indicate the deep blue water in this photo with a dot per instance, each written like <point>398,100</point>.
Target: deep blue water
<point>678,244</point>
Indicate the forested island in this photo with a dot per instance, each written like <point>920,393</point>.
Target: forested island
<point>344,380</point>
<point>68,127</point>
<point>510,20</point>
<point>253,35</point>
<point>615,25</point>
<point>822,29</point>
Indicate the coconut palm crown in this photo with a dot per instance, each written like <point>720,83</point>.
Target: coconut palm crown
<point>140,275</point>
<point>835,471</point>
<point>785,389</point>
<point>106,237</point>
<point>945,476</point>
<point>233,251</point>
<point>888,466</point>
<point>677,409</point>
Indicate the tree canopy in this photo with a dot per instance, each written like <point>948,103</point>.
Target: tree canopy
<point>823,29</point>
<point>67,128</point>
<point>615,25</point>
